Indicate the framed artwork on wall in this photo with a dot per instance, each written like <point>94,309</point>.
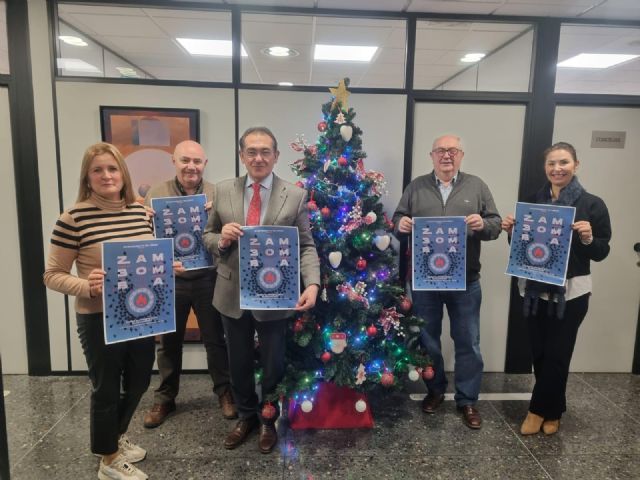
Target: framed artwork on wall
<point>147,137</point>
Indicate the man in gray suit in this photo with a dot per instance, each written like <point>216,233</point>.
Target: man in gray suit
<point>259,198</point>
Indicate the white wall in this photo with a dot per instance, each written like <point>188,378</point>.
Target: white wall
<point>381,118</point>
<point>79,126</point>
<point>492,136</point>
<point>606,337</point>
<point>13,343</point>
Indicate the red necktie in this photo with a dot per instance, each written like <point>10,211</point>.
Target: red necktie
<point>253,214</point>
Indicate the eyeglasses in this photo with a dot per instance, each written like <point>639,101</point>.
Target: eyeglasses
<point>265,153</point>
<point>451,151</point>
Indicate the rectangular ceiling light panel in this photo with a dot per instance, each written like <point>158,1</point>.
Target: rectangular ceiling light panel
<point>596,60</point>
<point>210,48</point>
<point>344,53</point>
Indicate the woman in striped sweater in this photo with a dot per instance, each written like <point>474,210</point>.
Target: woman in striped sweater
<point>105,210</point>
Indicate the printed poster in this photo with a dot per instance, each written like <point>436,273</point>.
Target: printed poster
<point>540,242</point>
<point>269,268</point>
<point>439,253</point>
<point>139,290</point>
<point>183,219</point>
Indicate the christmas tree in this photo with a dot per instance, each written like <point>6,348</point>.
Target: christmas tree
<point>360,333</point>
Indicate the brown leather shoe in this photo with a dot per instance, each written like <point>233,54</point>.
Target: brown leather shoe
<point>227,405</point>
<point>241,431</point>
<point>471,416</point>
<point>158,414</point>
<point>268,437</point>
<point>431,402</point>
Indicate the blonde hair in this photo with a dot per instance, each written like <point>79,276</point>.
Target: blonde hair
<point>84,190</point>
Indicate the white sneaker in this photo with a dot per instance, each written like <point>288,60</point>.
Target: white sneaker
<point>120,469</point>
<point>132,452</point>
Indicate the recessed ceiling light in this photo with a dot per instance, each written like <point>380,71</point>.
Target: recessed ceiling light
<point>596,60</point>
<point>77,65</point>
<point>71,40</point>
<point>347,53</point>
<point>276,51</point>
<point>209,48</point>
<point>128,72</point>
<point>285,84</point>
<point>472,57</point>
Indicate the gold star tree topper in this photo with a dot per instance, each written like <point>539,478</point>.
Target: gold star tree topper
<point>341,95</point>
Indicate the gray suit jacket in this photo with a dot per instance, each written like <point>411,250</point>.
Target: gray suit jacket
<point>287,206</point>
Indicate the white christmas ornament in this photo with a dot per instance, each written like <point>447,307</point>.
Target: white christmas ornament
<point>372,217</point>
<point>338,342</point>
<point>346,132</point>
<point>414,328</point>
<point>413,375</point>
<point>335,258</point>
<point>382,242</point>
<point>307,406</point>
<point>361,406</point>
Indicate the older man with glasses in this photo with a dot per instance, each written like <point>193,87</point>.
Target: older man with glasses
<point>447,191</point>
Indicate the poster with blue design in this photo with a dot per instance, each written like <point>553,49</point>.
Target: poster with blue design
<point>183,219</point>
<point>540,242</point>
<point>269,268</point>
<point>439,253</point>
<point>139,289</point>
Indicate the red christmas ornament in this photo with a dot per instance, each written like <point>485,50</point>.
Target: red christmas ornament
<point>325,357</point>
<point>428,372</point>
<point>300,184</point>
<point>372,331</point>
<point>268,411</point>
<point>322,126</point>
<point>312,205</point>
<point>387,379</point>
<point>342,161</point>
<point>298,326</point>
<point>326,212</point>
<point>361,264</point>
<point>405,305</point>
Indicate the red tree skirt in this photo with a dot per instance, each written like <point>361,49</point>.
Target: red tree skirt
<point>333,407</point>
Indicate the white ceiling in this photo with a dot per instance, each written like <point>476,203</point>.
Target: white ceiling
<point>146,38</point>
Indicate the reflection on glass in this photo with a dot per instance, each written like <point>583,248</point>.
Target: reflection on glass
<point>371,52</point>
<point>598,60</point>
<point>4,48</point>
<point>91,43</point>
<point>477,56</point>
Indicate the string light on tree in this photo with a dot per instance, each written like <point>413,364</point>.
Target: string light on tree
<point>366,336</point>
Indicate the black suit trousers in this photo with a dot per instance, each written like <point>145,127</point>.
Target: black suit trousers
<point>240,333</point>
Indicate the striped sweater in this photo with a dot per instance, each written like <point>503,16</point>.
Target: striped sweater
<point>78,236</point>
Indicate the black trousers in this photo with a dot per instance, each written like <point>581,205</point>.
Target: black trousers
<point>240,337</point>
<point>197,294</point>
<point>120,374</point>
<point>552,342</point>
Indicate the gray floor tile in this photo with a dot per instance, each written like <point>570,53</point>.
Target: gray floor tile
<point>407,467</point>
<point>584,429</point>
<point>35,404</point>
<point>601,467</point>
<point>621,389</point>
<point>596,440</point>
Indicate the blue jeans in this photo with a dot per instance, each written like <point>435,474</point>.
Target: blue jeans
<point>463,308</point>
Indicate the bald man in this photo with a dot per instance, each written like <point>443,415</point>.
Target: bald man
<point>194,289</point>
<point>448,191</point>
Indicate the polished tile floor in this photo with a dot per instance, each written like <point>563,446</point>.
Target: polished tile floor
<point>48,423</point>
